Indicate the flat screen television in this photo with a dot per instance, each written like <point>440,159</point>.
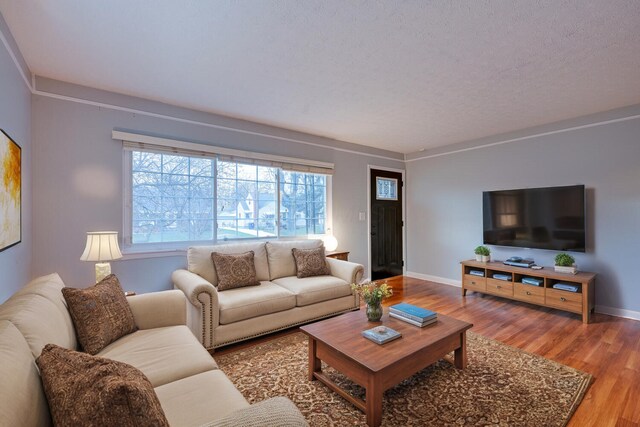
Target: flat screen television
<point>537,218</point>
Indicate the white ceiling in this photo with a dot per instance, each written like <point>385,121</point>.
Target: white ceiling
<point>399,75</point>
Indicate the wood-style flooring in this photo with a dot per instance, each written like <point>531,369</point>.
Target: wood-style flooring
<point>608,348</point>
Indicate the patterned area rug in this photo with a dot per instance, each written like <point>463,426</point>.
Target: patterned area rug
<point>501,386</point>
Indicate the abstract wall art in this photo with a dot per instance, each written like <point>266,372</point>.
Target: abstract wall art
<point>10,192</point>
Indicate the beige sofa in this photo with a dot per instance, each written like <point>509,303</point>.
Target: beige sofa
<point>282,300</point>
<point>190,387</point>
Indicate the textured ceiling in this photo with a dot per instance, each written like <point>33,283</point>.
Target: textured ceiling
<point>399,75</point>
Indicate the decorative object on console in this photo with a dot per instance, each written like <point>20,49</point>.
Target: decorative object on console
<point>482,253</point>
<point>83,389</point>
<point>10,191</point>
<point>102,247</point>
<point>565,263</point>
<point>373,293</point>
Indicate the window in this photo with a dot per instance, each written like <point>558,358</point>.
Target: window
<point>386,188</point>
<point>303,203</point>
<point>247,200</point>
<point>181,198</point>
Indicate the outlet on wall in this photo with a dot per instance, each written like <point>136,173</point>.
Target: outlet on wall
<point>362,216</point>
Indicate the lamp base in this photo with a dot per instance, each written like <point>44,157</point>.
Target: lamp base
<point>103,269</point>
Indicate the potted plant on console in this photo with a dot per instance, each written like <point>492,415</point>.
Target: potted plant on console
<point>482,253</point>
<point>373,293</point>
<point>565,263</point>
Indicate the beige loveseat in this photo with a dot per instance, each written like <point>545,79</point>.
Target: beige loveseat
<point>191,389</point>
<point>282,300</point>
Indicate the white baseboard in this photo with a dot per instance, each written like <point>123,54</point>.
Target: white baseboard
<point>444,280</point>
<point>612,311</point>
<point>618,312</point>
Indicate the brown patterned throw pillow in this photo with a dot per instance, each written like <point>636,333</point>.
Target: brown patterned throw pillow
<point>84,390</point>
<point>101,314</point>
<point>310,262</point>
<point>234,270</point>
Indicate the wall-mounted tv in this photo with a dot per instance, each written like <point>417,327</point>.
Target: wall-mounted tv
<point>537,218</point>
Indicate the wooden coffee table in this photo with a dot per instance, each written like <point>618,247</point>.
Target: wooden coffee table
<point>339,343</point>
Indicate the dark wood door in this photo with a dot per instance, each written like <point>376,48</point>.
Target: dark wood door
<point>386,224</point>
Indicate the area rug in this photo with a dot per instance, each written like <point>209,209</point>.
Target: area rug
<point>501,386</point>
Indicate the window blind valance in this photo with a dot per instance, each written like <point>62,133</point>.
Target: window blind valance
<point>138,142</point>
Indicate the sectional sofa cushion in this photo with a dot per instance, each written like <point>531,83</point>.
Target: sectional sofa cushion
<point>23,402</point>
<point>234,270</point>
<point>280,256</point>
<point>238,304</point>
<point>101,313</point>
<point>310,262</point>
<point>162,354</point>
<point>93,391</point>
<point>311,290</point>
<point>199,259</point>
<point>198,399</point>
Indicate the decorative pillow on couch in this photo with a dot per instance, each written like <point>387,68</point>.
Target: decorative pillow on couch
<point>310,262</point>
<point>100,314</point>
<point>234,270</point>
<point>84,390</point>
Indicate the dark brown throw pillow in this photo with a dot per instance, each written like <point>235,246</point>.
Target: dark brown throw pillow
<point>84,390</point>
<point>100,314</point>
<point>234,270</point>
<point>310,262</point>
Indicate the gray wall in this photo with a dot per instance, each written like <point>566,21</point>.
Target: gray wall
<point>444,196</point>
<point>15,119</point>
<point>78,171</point>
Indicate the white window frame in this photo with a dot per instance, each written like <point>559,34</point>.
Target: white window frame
<point>161,249</point>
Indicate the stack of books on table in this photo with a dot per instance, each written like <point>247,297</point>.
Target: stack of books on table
<point>412,314</point>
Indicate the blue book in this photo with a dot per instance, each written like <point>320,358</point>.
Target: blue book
<point>531,281</point>
<point>502,276</point>
<point>566,287</point>
<point>411,311</point>
<point>381,335</point>
<point>479,273</point>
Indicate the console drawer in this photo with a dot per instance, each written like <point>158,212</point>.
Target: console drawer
<point>569,301</point>
<point>528,293</point>
<point>475,283</point>
<point>500,287</point>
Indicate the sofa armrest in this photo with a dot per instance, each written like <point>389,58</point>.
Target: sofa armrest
<point>274,412</point>
<point>350,272</point>
<point>204,315</point>
<point>158,309</point>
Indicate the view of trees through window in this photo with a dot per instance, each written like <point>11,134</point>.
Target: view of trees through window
<point>179,198</point>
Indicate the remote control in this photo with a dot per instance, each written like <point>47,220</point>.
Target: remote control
<point>536,267</point>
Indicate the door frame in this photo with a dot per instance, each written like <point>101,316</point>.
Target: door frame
<point>404,219</point>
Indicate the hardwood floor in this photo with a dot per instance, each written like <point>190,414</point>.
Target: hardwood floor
<point>608,348</point>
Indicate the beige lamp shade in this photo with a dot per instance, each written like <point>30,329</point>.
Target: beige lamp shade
<point>101,246</point>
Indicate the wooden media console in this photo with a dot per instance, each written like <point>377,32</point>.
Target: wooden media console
<point>581,302</point>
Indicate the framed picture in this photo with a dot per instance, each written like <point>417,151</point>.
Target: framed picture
<point>10,192</point>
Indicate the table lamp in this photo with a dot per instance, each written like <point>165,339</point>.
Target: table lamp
<point>102,247</point>
<point>330,242</point>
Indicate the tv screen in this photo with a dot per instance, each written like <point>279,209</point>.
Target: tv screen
<point>538,218</point>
